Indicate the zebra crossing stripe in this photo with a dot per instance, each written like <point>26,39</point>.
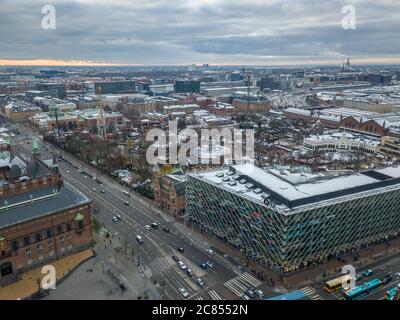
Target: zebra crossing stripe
<point>199,298</point>
<point>255,282</point>
<point>233,289</point>
<point>214,295</point>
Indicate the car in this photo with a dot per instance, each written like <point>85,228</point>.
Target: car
<point>203,266</point>
<point>147,227</point>
<point>245,297</point>
<point>119,217</point>
<point>115,219</point>
<point>94,189</point>
<point>68,172</point>
<point>139,239</point>
<point>386,279</point>
<point>181,250</point>
<point>189,272</point>
<point>102,191</point>
<point>397,274</point>
<point>183,292</point>
<point>368,273</point>
<point>200,282</point>
<point>210,252</point>
<point>249,292</point>
<point>182,265</point>
<point>126,203</point>
<point>175,258</point>
<point>260,294</point>
<point>166,229</point>
<point>210,264</point>
<point>154,225</point>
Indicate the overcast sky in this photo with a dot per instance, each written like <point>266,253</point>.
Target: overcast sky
<point>171,32</point>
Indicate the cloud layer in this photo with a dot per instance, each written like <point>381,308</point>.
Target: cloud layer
<point>164,32</point>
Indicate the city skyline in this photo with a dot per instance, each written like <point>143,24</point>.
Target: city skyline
<point>218,32</point>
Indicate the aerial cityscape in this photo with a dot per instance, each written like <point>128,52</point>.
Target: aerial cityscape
<point>203,150</point>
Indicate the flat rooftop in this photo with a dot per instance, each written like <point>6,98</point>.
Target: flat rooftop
<point>293,190</point>
<point>39,203</point>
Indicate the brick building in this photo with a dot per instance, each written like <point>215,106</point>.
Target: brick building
<point>42,219</point>
<point>169,193</point>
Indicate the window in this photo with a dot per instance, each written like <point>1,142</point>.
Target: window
<point>40,257</point>
<point>28,251</point>
<point>80,224</point>
<point>27,241</point>
<point>69,247</point>
<point>59,229</point>
<point>62,249</point>
<point>39,247</point>
<point>69,228</point>
<point>14,245</point>
<point>38,237</point>
<point>50,242</point>
<point>49,233</point>
<point>69,236</point>
<point>51,253</point>
<point>29,262</point>
<point>62,239</point>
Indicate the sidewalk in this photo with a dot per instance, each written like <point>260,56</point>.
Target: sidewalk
<point>28,285</point>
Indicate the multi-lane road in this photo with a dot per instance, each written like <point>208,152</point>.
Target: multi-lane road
<point>223,281</point>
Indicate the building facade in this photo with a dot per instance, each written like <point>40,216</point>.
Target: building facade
<point>42,219</point>
<point>290,221</point>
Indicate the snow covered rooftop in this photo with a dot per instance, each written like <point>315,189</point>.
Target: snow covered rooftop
<point>297,189</point>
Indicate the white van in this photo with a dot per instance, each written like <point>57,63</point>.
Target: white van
<point>139,239</point>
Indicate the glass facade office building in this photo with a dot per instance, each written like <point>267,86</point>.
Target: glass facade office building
<point>287,221</point>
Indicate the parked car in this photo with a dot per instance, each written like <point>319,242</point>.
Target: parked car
<point>210,264</point>
<point>181,250</point>
<point>175,258</point>
<point>386,279</point>
<point>189,272</point>
<point>200,282</point>
<point>94,189</point>
<point>183,292</point>
<point>358,277</point>
<point>154,225</point>
<point>102,191</point>
<point>147,227</point>
<point>119,217</point>
<point>368,273</point>
<point>126,203</point>
<point>115,219</point>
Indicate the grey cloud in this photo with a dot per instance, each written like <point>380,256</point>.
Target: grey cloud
<point>165,32</point>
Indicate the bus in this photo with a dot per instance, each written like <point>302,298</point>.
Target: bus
<point>356,293</point>
<point>373,285</point>
<point>336,284</point>
<point>393,294</point>
<point>361,291</point>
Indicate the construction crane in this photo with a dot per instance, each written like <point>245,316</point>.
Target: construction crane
<point>101,121</point>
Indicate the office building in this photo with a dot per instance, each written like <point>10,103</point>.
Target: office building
<point>289,220</point>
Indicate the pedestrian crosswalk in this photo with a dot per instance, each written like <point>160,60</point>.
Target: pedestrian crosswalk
<point>311,293</point>
<point>214,295</point>
<point>241,283</point>
<point>199,298</point>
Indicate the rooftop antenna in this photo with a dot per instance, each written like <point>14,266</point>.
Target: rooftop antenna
<point>101,125</point>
